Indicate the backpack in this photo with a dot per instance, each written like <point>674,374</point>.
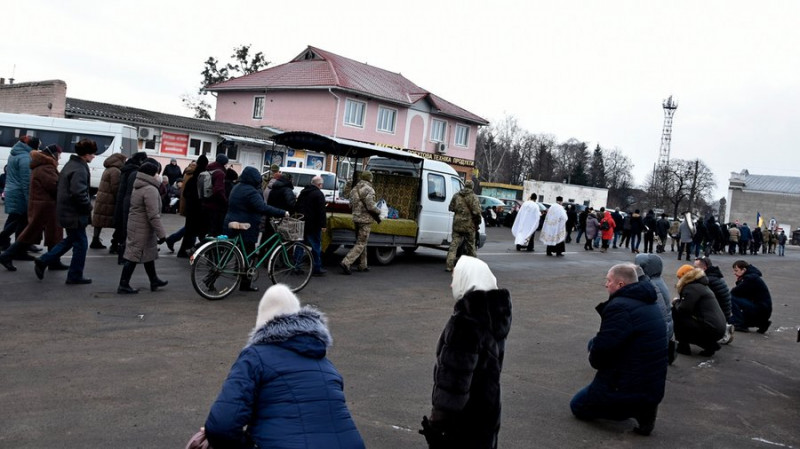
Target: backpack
<point>205,185</point>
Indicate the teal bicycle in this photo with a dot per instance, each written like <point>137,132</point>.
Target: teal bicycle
<point>221,263</point>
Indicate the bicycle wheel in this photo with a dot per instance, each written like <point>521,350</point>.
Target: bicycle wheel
<point>291,264</point>
<point>216,269</point>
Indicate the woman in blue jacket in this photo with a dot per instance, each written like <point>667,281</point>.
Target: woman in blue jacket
<point>282,387</point>
<point>246,205</point>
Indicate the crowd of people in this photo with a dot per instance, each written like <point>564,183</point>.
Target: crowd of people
<point>283,391</point>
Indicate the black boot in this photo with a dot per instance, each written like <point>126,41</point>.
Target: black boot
<point>647,420</point>
<point>125,279</point>
<point>97,244</point>
<point>155,282</point>
<point>5,260</point>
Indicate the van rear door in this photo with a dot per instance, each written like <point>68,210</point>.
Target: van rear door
<point>435,220</point>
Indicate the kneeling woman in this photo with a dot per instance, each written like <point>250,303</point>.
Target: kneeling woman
<point>696,313</point>
<point>145,231</point>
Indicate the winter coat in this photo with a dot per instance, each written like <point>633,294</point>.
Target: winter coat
<point>700,232</point>
<point>282,195</point>
<point>734,234</point>
<point>685,232</point>
<point>697,301</point>
<point>618,221</point>
<point>246,205</point>
<point>629,351</point>
<point>582,220</point>
<point>674,228</point>
<point>172,172</point>
<point>636,223</point>
<point>720,289</point>
<point>187,175</point>
<point>218,202</point>
<point>626,222</point>
<point>649,223</point>
<point>106,199</point>
<point>608,234</point>
<point>127,177</point>
<point>311,204</point>
<point>18,179</point>
<point>592,226</point>
<point>652,266</point>
<point>746,234</point>
<point>758,237</point>
<point>662,227</point>
<point>362,201</point>
<point>73,204</point>
<point>42,202</point>
<point>469,359</point>
<point>752,287</point>
<point>466,211</point>
<point>144,221</point>
<point>284,389</point>
<point>782,238</point>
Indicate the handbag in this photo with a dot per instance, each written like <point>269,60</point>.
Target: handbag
<point>198,440</point>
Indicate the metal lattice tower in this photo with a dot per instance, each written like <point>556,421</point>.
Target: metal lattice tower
<point>666,136</point>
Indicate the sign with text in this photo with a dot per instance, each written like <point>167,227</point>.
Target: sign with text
<point>436,157</point>
<point>172,143</point>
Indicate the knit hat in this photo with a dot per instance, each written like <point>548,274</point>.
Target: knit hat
<point>139,158</point>
<point>148,168</point>
<point>222,159</point>
<point>173,160</point>
<point>468,184</point>
<point>52,151</point>
<point>366,175</point>
<point>277,300</point>
<point>274,168</point>
<point>685,268</point>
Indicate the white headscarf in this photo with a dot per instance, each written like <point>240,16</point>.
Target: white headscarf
<point>277,300</point>
<point>471,274</point>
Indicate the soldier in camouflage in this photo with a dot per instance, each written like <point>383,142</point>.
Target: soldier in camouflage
<point>365,212</point>
<point>466,219</point>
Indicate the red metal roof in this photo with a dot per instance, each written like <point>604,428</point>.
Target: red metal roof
<point>320,69</point>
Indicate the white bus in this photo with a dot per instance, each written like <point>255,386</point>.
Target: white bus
<point>110,137</point>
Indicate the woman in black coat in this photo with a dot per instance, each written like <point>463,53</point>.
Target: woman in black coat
<point>469,359</point>
<point>195,223</point>
<point>696,313</point>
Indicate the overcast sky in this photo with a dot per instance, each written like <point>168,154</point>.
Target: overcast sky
<point>593,70</point>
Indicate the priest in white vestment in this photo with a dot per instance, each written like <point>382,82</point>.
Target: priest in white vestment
<point>526,224</point>
<point>554,230</point>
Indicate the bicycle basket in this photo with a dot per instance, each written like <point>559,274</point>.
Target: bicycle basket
<point>289,228</point>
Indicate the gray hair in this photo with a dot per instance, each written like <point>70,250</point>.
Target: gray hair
<point>624,272</point>
<point>316,180</point>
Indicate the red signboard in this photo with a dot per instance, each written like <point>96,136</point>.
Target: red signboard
<point>174,143</point>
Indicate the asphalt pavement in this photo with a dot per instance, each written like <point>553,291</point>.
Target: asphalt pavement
<point>81,366</point>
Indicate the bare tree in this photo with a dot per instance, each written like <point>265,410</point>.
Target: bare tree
<point>544,162</point>
<point>618,170</point>
<point>572,159</point>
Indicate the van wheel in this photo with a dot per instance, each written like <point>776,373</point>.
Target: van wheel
<point>409,249</point>
<point>384,255</point>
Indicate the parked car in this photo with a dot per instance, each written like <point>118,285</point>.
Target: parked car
<point>489,201</point>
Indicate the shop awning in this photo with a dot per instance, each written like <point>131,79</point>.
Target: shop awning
<point>302,140</point>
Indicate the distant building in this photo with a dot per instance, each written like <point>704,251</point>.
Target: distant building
<point>572,193</point>
<point>501,191</point>
<point>775,197</point>
<point>328,94</point>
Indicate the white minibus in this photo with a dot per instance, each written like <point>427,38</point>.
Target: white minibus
<point>110,137</point>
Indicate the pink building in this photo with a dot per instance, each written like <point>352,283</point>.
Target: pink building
<point>325,93</point>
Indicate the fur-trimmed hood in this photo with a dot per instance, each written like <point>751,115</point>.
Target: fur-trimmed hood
<point>305,332</point>
<point>695,274</point>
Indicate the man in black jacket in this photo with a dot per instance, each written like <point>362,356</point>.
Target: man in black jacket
<point>311,204</point>
<point>74,209</point>
<point>629,353</point>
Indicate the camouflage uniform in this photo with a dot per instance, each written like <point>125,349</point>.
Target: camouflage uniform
<point>467,211</point>
<point>362,200</point>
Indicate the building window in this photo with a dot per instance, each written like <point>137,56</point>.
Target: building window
<point>462,135</point>
<point>258,107</point>
<point>150,144</point>
<point>354,113</point>
<point>199,147</point>
<point>438,128</point>
<point>386,119</point>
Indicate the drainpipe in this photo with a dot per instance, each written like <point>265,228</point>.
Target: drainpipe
<point>336,123</point>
